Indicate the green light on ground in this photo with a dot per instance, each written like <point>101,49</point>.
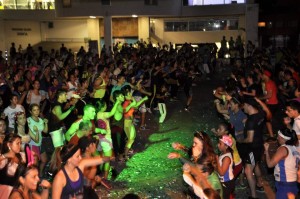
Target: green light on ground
<point>152,166</point>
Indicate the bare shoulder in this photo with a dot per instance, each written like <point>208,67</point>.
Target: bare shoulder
<point>60,178</point>
<point>15,195</point>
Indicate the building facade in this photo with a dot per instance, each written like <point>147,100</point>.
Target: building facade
<point>77,22</point>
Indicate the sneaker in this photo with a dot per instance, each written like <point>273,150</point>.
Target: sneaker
<point>130,152</point>
<point>136,120</point>
<point>123,158</point>
<point>173,100</point>
<point>240,186</point>
<point>260,189</point>
<point>186,109</point>
<point>243,185</point>
<point>144,128</point>
<point>148,110</point>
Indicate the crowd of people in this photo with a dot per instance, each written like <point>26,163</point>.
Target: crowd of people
<point>65,114</point>
<point>259,103</point>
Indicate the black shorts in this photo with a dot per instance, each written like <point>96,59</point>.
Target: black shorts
<point>188,92</point>
<point>253,156</point>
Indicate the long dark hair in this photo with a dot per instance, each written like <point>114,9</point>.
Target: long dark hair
<point>61,155</point>
<point>22,171</point>
<point>10,138</point>
<point>208,153</point>
<point>291,134</point>
<point>16,124</point>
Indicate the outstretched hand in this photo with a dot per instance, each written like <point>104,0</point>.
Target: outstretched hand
<point>177,145</point>
<point>173,155</point>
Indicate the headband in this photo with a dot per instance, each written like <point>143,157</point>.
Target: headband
<point>70,154</point>
<point>283,136</point>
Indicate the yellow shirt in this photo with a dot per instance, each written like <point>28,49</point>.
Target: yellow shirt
<point>236,156</point>
<point>99,94</point>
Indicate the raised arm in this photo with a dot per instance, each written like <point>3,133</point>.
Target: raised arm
<point>139,103</point>
<point>114,109</point>
<point>131,105</point>
<point>280,154</point>
<point>61,115</point>
<point>72,130</point>
<point>88,162</point>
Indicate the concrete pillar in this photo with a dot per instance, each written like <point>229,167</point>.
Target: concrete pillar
<point>93,31</point>
<point>107,31</point>
<point>2,36</point>
<point>251,19</point>
<point>143,28</point>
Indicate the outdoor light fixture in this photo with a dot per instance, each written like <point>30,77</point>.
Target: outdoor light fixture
<point>262,24</point>
<point>134,16</point>
<point>92,17</point>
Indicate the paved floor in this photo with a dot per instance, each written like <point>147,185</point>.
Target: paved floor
<point>148,172</point>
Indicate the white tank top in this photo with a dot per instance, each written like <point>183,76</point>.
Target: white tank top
<point>229,173</point>
<point>286,169</point>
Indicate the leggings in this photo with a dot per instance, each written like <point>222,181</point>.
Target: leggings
<point>130,132</point>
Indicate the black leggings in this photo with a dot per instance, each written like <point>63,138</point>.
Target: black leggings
<point>228,188</point>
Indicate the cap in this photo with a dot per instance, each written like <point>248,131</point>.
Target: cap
<point>226,139</point>
<point>267,73</point>
<point>84,142</point>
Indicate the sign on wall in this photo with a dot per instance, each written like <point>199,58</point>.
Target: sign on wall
<point>21,31</point>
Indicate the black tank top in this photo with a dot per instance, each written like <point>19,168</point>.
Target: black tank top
<point>54,122</point>
<point>5,178</point>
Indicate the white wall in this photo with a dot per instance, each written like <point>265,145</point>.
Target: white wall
<point>159,29</point>
<point>251,19</point>
<point>34,32</point>
<point>143,28</point>
<point>2,32</point>
<point>22,32</point>
<point>69,30</point>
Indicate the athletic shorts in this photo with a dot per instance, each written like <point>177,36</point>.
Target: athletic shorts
<point>252,156</point>
<point>142,108</point>
<point>188,92</point>
<point>105,144</point>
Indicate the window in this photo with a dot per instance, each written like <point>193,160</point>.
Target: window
<point>202,25</point>
<point>209,2</point>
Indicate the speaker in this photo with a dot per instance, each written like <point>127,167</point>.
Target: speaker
<point>66,3</point>
<point>50,24</point>
<point>151,2</point>
<point>105,2</point>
